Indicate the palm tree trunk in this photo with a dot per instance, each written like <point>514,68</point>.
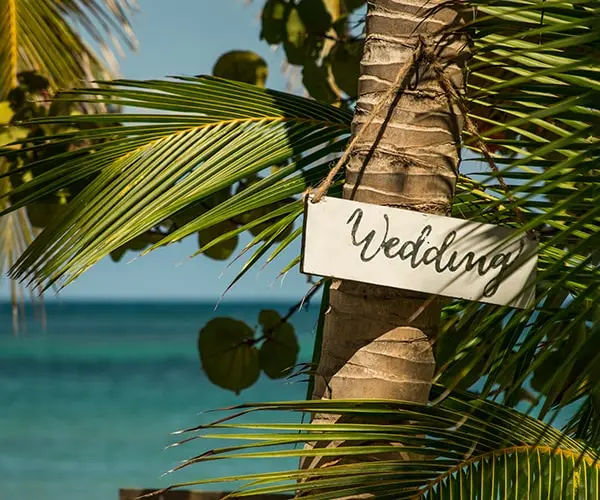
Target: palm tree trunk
<point>377,341</point>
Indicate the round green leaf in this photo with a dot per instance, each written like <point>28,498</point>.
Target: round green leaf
<point>117,254</point>
<point>315,80</point>
<point>195,210</point>
<point>243,66</point>
<point>33,81</point>
<point>279,352</point>
<point>44,212</point>
<point>257,213</point>
<point>137,244</point>
<point>352,5</point>
<point>295,41</point>
<point>189,213</point>
<point>546,370</point>
<point>222,250</point>
<point>345,65</point>
<point>269,318</point>
<point>261,212</point>
<point>217,197</point>
<point>314,16</point>
<point>273,21</point>
<point>228,355</point>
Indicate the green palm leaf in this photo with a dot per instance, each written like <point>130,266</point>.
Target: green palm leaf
<point>534,97</point>
<point>39,35</point>
<point>464,447</point>
<point>218,134</point>
<point>43,36</point>
<point>16,233</point>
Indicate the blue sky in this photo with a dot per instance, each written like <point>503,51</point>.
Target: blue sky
<point>186,38</point>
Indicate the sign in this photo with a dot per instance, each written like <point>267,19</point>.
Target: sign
<point>419,252</point>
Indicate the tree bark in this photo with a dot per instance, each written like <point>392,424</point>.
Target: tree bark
<point>377,341</point>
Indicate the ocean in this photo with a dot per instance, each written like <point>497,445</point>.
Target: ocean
<point>87,406</point>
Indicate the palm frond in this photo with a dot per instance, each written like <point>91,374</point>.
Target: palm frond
<point>534,98</point>
<point>42,39</point>
<point>16,233</point>
<point>40,35</point>
<point>462,447</point>
<point>218,134</point>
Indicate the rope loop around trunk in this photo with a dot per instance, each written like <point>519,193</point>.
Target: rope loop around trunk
<point>423,52</point>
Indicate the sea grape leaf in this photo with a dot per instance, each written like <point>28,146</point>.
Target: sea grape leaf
<point>42,213</point>
<point>188,214</point>
<point>198,208</point>
<point>544,372</point>
<point>273,21</point>
<point>315,80</point>
<point>269,318</point>
<point>117,254</point>
<point>315,16</point>
<point>243,66</point>
<point>228,355</point>
<point>218,197</point>
<point>295,41</point>
<point>279,352</point>
<point>137,244</point>
<point>261,212</point>
<point>222,250</point>
<point>256,213</point>
<point>352,5</point>
<point>345,65</point>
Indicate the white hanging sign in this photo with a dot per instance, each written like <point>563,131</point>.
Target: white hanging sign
<point>419,252</point>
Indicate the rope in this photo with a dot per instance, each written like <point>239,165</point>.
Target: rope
<point>424,51</point>
<point>324,186</point>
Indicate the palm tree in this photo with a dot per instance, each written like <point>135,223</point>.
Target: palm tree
<point>404,152</point>
<point>39,40</point>
<point>532,124</point>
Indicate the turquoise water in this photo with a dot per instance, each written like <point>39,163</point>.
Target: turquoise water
<point>87,406</point>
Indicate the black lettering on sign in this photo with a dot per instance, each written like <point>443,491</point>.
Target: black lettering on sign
<point>418,253</point>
